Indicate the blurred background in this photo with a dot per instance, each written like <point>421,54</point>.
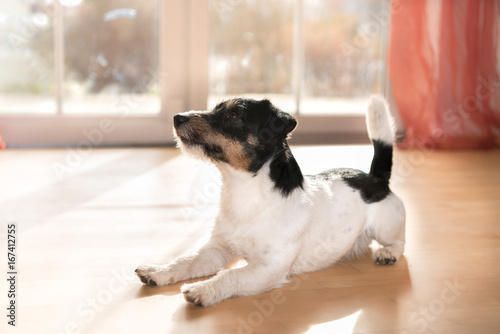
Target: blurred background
<point>105,49</point>
<point>72,67</point>
<point>113,58</point>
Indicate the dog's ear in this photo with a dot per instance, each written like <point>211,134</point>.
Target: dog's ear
<point>289,121</point>
<point>281,123</point>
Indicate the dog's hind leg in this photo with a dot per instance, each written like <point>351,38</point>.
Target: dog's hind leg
<point>207,261</point>
<point>387,218</point>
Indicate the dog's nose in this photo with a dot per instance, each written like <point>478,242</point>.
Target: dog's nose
<point>179,119</point>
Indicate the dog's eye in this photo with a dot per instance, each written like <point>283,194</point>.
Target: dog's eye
<point>232,115</point>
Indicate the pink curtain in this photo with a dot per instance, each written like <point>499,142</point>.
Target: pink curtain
<point>2,144</point>
<point>443,68</point>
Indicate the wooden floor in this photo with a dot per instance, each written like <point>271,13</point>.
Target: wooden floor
<point>85,220</point>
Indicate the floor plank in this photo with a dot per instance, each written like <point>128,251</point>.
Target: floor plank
<point>85,221</point>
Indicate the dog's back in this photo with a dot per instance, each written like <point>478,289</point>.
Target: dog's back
<point>351,207</point>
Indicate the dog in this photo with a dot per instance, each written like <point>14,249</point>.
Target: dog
<point>280,221</point>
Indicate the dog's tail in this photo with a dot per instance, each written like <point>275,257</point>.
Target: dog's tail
<point>380,125</point>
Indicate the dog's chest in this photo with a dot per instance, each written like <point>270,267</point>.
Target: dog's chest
<point>246,199</point>
<point>253,215</point>
<point>247,230</point>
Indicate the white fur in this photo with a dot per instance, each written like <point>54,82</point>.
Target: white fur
<point>311,229</point>
<point>379,122</point>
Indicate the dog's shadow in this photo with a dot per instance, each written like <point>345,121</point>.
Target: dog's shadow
<point>357,295</point>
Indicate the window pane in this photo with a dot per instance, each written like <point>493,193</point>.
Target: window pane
<point>26,56</point>
<point>343,51</point>
<point>251,46</point>
<point>111,57</point>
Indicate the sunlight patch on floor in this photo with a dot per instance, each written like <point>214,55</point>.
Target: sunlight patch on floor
<point>340,326</point>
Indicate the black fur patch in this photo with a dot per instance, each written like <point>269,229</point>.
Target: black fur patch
<point>373,189</point>
<point>285,172</point>
<point>237,118</point>
<point>382,160</point>
<point>215,152</point>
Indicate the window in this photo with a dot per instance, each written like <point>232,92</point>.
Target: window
<point>27,74</point>
<point>72,66</point>
<point>312,57</point>
<point>79,57</point>
<point>251,51</point>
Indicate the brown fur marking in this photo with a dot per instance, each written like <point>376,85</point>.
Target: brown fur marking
<point>230,104</point>
<point>233,150</point>
<point>234,153</point>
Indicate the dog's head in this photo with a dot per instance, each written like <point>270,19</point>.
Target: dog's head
<point>243,133</point>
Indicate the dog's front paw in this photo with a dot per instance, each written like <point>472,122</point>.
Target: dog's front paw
<point>200,294</point>
<point>155,275</point>
<point>383,256</point>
